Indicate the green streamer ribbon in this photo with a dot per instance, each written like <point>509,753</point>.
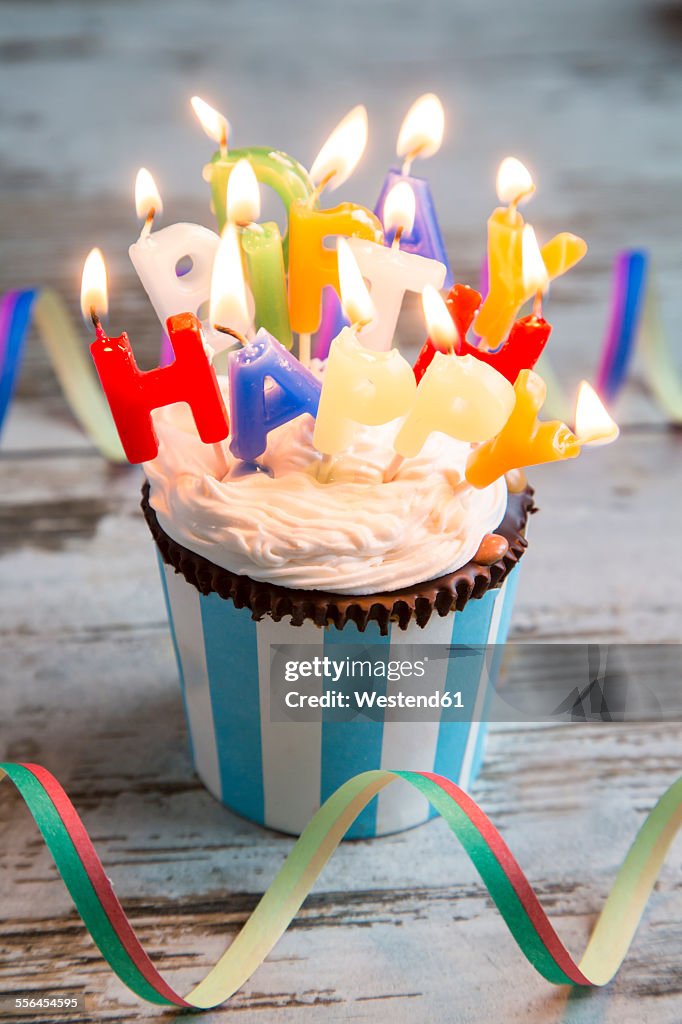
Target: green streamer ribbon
<point>508,887</point>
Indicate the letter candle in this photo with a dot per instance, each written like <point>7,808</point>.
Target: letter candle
<point>392,272</point>
<point>514,186</point>
<point>458,395</point>
<point>312,266</point>
<point>527,337</point>
<point>275,169</point>
<point>133,394</point>
<point>520,351</point>
<point>360,386</point>
<point>262,247</point>
<point>523,441</point>
<point>157,257</point>
<point>507,292</point>
<point>256,406</point>
<point>421,135</point>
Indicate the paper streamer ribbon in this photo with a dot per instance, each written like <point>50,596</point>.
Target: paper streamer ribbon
<point>69,358</point>
<point>634,321</point>
<point>513,895</point>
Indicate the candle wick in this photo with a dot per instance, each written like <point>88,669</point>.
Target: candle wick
<point>358,325</point>
<point>233,334</point>
<point>410,158</point>
<point>147,226</point>
<point>395,244</point>
<point>521,196</point>
<point>537,305</point>
<point>320,187</point>
<point>223,145</point>
<point>96,322</point>
<point>251,225</point>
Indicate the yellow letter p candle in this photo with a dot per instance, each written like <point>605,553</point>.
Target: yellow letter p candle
<point>360,386</point>
<point>462,397</point>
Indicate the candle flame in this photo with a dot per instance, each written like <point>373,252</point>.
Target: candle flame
<point>514,182</point>
<point>593,425</point>
<point>228,305</point>
<point>535,276</point>
<point>243,194</point>
<point>400,208</point>
<point>355,298</point>
<point>215,124</point>
<point>94,294</point>
<point>147,196</point>
<point>421,132</point>
<point>342,151</point>
<point>441,326</point>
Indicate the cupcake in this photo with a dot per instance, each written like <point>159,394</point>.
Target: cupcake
<point>375,517</point>
<point>266,555</point>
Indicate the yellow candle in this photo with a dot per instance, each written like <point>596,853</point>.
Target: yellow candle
<point>360,386</point>
<point>523,441</point>
<point>506,289</point>
<point>460,396</point>
<point>312,265</point>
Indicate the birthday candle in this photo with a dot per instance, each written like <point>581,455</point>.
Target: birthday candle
<point>312,266</point>
<point>133,394</point>
<point>507,292</point>
<point>256,408</point>
<point>390,271</point>
<point>505,228</point>
<point>360,386</point>
<point>523,441</point>
<point>174,264</point>
<point>527,337</point>
<point>421,135</point>
<point>458,395</point>
<point>262,247</point>
<point>274,169</point>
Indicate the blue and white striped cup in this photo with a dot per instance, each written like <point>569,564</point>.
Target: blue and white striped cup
<point>278,773</point>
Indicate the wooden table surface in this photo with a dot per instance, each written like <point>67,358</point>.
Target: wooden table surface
<point>399,928</point>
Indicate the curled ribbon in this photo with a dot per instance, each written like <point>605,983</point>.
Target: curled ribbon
<point>110,929</point>
<point>68,356</point>
<point>634,322</point>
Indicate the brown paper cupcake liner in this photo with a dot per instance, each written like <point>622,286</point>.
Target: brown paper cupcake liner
<point>442,595</point>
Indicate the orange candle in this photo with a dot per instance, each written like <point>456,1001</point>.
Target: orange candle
<point>312,265</point>
<point>523,441</point>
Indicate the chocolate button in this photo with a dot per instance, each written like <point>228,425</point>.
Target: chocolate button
<point>492,548</point>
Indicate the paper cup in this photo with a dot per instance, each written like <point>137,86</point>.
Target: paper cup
<point>277,773</point>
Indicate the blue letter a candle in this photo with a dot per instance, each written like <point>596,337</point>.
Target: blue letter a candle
<point>268,387</point>
<point>425,238</point>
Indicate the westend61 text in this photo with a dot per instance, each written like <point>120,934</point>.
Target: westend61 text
<point>359,699</point>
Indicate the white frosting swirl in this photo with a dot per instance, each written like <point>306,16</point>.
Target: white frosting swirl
<point>352,535</point>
